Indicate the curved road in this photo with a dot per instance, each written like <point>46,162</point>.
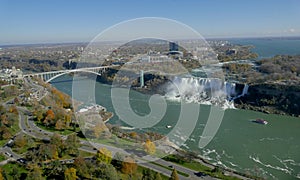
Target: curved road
<point>28,126</point>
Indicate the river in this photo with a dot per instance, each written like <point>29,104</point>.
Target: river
<point>270,151</point>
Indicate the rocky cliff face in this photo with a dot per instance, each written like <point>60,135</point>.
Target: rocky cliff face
<point>272,98</point>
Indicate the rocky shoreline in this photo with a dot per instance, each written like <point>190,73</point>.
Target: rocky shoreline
<point>271,98</point>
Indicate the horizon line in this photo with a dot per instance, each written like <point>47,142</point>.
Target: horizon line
<point>114,41</point>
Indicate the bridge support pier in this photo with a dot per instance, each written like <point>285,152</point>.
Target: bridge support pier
<point>142,78</point>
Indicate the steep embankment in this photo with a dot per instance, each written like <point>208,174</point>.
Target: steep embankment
<point>272,98</point>
<point>275,98</point>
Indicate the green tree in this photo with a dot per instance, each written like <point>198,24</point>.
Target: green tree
<point>35,174</point>
<point>68,119</point>
<point>20,141</point>
<point>157,176</point>
<point>72,144</point>
<point>2,109</point>
<point>103,155</point>
<point>70,174</point>
<point>174,175</point>
<point>4,120</point>
<point>117,161</point>
<point>47,151</point>
<point>148,174</point>
<point>32,156</point>
<point>4,133</point>
<point>55,168</point>
<point>39,114</point>
<point>15,173</point>
<point>56,140</point>
<point>16,101</point>
<point>59,125</point>
<point>107,171</point>
<point>81,166</point>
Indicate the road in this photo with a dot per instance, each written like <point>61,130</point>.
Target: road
<point>32,130</point>
<point>28,126</point>
<point>9,153</point>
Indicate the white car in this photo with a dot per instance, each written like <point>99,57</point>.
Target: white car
<point>8,154</point>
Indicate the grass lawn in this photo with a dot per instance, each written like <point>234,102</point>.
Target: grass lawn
<point>2,157</point>
<point>200,168</point>
<point>85,154</point>
<point>62,132</point>
<point>15,127</point>
<point>3,142</point>
<point>169,168</point>
<point>115,141</point>
<point>81,153</point>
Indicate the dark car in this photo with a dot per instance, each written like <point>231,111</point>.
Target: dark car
<point>21,160</point>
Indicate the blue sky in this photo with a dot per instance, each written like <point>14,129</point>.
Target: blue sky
<point>72,21</point>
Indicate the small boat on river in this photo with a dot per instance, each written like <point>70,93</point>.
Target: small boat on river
<point>260,121</point>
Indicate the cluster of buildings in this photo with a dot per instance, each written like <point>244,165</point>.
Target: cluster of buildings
<point>158,57</point>
<point>10,74</point>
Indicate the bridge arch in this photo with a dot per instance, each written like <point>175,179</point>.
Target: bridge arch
<point>71,71</point>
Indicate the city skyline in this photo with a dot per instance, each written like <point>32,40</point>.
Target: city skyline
<point>78,21</point>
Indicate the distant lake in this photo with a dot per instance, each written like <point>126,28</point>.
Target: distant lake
<point>269,47</point>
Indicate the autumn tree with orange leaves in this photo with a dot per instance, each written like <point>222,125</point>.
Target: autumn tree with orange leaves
<point>129,166</point>
<point>50,114</point>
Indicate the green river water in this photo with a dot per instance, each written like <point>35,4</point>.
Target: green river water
<point>271,151</point>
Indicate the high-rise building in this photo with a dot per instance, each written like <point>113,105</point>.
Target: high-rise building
<point>173,46</point>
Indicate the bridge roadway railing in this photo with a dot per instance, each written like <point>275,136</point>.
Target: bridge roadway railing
<point>48,76</point>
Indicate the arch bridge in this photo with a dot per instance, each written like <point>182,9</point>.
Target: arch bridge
<point>51,75</point>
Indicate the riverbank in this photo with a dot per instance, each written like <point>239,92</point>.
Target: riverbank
<point>272,98</point>
<point>179,156</point>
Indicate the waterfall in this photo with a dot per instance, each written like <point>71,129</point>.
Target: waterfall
<point>210,91</point>
<point>244,92</point>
